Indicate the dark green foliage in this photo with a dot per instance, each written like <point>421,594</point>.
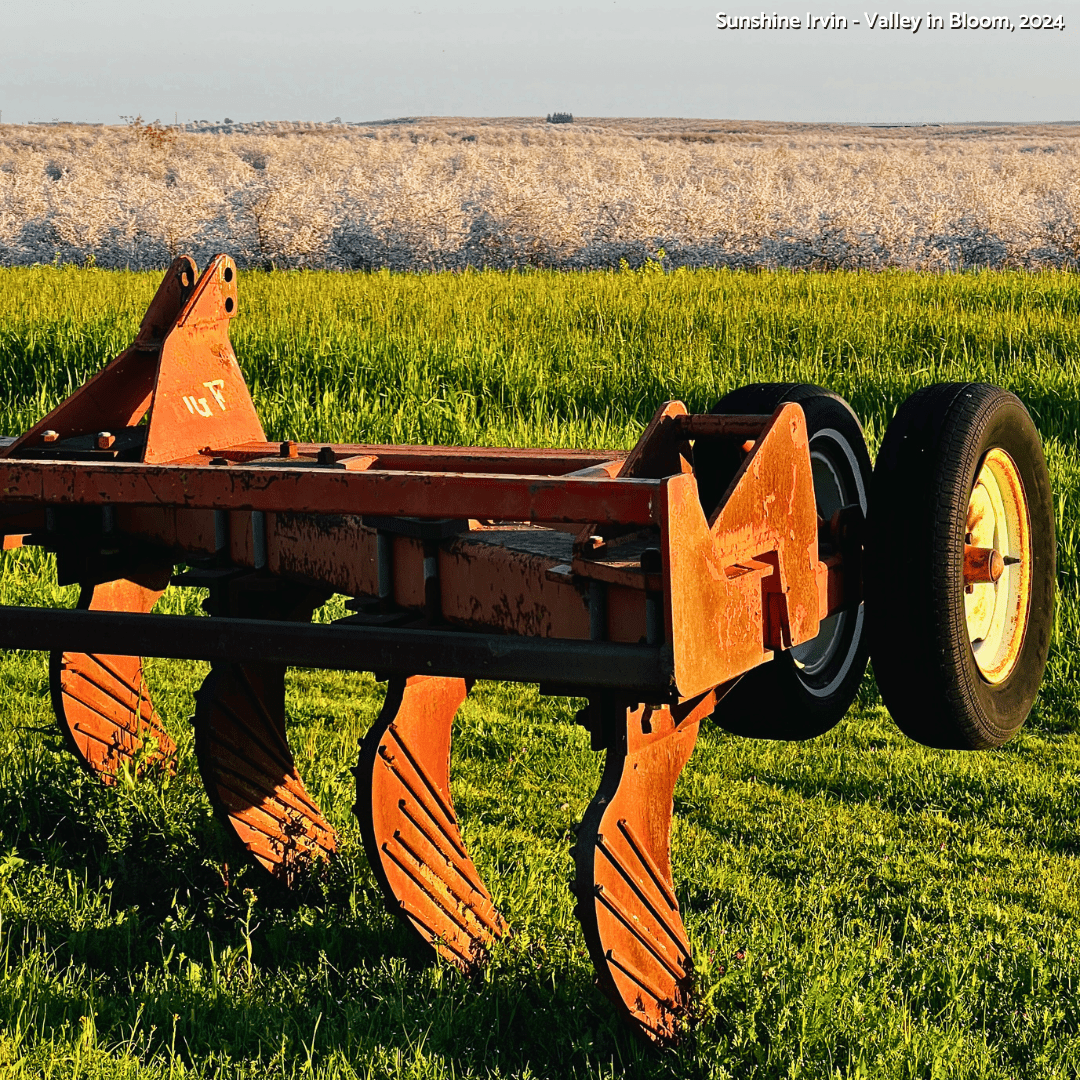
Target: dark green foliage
<point>859,905</point>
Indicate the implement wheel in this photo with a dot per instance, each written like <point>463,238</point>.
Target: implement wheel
<point>960,566</point>
<point>806,690</point>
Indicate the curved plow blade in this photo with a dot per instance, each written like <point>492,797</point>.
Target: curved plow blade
<point>249,773</point>
<point>409,827</point>
<point>101,702</point>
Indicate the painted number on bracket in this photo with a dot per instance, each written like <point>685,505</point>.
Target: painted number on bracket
<point>200,405</point>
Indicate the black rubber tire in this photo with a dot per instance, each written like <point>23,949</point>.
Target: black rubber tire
<point>779,700</point>
<point>914,584</point>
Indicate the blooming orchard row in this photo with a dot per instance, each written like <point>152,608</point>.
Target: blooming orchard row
<point>438,195</point>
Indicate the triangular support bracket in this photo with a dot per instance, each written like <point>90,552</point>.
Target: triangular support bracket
<point>179,375</point>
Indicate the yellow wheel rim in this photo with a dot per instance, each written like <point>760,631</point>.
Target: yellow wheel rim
<point>997,612</point>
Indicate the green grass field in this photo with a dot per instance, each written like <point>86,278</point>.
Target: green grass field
<point>859,906</point>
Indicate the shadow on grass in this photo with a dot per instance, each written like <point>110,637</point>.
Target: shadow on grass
<point>514,1022</point>
<point>126,905</point>
<point>314,984</point>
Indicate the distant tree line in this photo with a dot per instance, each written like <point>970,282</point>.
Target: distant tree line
<point>560,118</point>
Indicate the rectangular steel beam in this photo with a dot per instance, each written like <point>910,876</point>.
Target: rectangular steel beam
<point>460,459</point>
<point>721,425</point>
<point>303,489</point>
<point>589,665</point>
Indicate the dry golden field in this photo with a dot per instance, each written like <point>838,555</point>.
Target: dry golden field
<point>446,193</point>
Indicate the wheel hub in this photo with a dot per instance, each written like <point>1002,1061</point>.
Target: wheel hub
<point>996,612</point>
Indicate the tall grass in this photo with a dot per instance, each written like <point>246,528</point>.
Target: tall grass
<point>536,358</point>
<point>859,906</point>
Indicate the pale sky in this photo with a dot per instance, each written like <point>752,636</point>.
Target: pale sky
<point>96,60</point>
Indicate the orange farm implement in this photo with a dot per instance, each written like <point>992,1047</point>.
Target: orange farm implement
<point>740,564</point>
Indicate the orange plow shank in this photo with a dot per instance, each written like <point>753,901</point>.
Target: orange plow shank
<point>101,702</point>
<point>409,827</point>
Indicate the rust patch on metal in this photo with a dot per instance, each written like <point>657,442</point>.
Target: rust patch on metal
<point>485,583</point>
<point>339,551</point>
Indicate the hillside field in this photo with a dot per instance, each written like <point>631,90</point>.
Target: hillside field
<point>859,906</point>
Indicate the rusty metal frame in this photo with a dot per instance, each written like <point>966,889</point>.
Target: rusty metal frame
<point>595,573</point>
<point>291,486</point>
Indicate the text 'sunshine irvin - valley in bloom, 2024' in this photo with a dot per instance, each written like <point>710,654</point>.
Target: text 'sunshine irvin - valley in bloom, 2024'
<point>889,20</point>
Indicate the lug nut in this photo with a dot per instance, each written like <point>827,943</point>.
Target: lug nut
<point>105,439</point>
<point>50,436</point>
<point>289,449</point>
